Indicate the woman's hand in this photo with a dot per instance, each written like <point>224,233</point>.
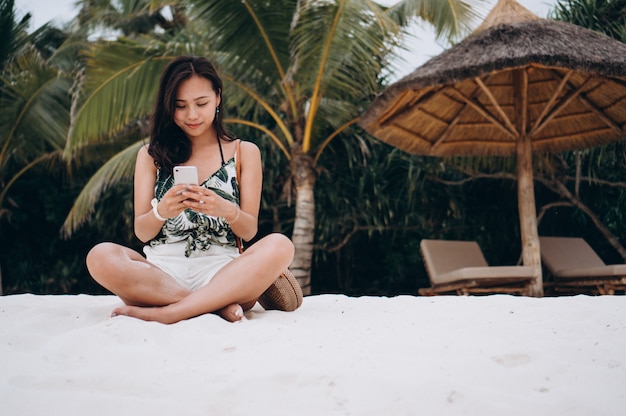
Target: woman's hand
<point>207,202</point>
<point>173,202</point>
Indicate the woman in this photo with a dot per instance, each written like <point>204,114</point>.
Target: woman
<point>192,263</point>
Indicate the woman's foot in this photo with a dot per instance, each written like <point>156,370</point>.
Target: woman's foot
<point>232,313</point>
<point>145,313</point>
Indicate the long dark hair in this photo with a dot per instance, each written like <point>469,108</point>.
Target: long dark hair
<point>169,146</point>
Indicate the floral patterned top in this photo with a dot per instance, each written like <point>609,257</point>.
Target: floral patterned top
<point>200,231</point>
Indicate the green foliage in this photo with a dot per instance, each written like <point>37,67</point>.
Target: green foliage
<point>375,203</point>
<point>604,16</point>
<point>375,208</point>
<point>602,187</point>
<point>34,258</point>
<point>12,32</point>
<point>596,176</point>
<point>131,18</point>
<point>118,169</point>
<point>34,98</point>
<point>118,89</point>
<point>449,19</point>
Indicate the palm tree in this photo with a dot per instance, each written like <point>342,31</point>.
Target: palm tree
<point>297,70</point>
<point>34,97</point>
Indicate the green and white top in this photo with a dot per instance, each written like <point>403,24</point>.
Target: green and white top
<point>200,231</point>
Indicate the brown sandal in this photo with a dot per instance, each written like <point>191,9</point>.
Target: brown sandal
<point>285,294</point>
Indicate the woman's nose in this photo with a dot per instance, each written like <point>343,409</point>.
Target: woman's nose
<point>193,113</point>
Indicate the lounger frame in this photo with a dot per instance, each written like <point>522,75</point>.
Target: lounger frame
<point>573,267</point>
<point>459,267</point>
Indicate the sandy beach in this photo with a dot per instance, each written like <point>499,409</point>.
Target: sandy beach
<point>336,355</point>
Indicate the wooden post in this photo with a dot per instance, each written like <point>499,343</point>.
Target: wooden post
<point>525,184</point>
<point>528,213</point>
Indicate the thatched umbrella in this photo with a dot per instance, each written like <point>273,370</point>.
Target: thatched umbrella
<point>519,84</point>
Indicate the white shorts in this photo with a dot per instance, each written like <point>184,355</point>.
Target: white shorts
<point>194,271</point>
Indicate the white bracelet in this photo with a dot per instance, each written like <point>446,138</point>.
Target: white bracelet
<point>155,211</point>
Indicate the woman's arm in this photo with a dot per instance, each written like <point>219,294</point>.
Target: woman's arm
<point>147,225</point>
<point>243,220</point>
<point>250,186</point>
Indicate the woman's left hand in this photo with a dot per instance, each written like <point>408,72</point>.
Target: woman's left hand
<point>207,202</point>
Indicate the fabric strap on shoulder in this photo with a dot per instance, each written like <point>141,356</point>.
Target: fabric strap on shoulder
<point>238,170</point>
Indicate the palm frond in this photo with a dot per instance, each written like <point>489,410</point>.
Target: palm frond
<point>259,32</point>
<point>248,42</point>
<point>46,157</point>
<point>119,86</point>
<point>117,169</point>
<point>13,32</point>
<point>259,101</point>
<point>450,18</point>
<point>339,48</point>
<point>35,108</point>
<point>604,16</point>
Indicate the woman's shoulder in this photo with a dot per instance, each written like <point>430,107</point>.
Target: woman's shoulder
<point>249,149</point>
<point>144,159</point>
<point>143,151</point>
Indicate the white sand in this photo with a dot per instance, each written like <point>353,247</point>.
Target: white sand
<point>492,355</point>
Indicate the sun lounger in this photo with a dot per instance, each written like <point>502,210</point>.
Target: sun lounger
<point>576,268</point>
<point>460,267</point>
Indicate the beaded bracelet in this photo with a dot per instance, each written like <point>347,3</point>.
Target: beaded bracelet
<point>236,215</point>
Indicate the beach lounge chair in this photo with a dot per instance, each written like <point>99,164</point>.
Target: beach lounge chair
<point>574,267</point>
<point>460,267</point>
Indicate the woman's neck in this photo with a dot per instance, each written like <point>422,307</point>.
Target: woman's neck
<point>202,142</point>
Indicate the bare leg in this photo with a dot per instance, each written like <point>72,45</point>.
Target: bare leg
<point>240,282</point>
<point>127,274</point>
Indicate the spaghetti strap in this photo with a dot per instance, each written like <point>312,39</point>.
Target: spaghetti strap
<point>237,161</point>
<point>219,143</point>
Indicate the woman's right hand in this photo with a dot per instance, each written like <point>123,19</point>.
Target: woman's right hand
<point>147,225</point>
<point>171,205</point>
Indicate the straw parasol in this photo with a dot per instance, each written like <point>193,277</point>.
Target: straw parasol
<point>518,84</point>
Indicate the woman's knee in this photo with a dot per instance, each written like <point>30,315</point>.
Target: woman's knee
<point>99,256</point>
<point>281,244</point>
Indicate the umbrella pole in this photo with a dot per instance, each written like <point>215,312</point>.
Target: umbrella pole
<point>528,213</point>
<point>525,184</point>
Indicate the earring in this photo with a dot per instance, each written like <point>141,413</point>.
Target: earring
<point>217,110</point>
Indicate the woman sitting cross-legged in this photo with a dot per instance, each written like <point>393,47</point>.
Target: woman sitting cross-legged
<point>192,264</point>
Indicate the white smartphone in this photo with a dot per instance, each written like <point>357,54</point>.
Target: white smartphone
<point>185,175</point>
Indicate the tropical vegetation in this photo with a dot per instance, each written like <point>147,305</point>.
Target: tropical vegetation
<point>76,103</point>
<point>297,72</point>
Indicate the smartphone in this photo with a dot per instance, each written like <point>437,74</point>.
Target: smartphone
<point>185,175</point>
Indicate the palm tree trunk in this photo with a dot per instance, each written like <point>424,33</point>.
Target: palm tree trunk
<point>304,175</point>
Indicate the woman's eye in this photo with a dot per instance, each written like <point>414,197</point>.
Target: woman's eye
<point>202,104</point>
<point>180,107</point>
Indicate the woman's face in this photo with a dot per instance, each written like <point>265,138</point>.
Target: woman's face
<point>196,103</point>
